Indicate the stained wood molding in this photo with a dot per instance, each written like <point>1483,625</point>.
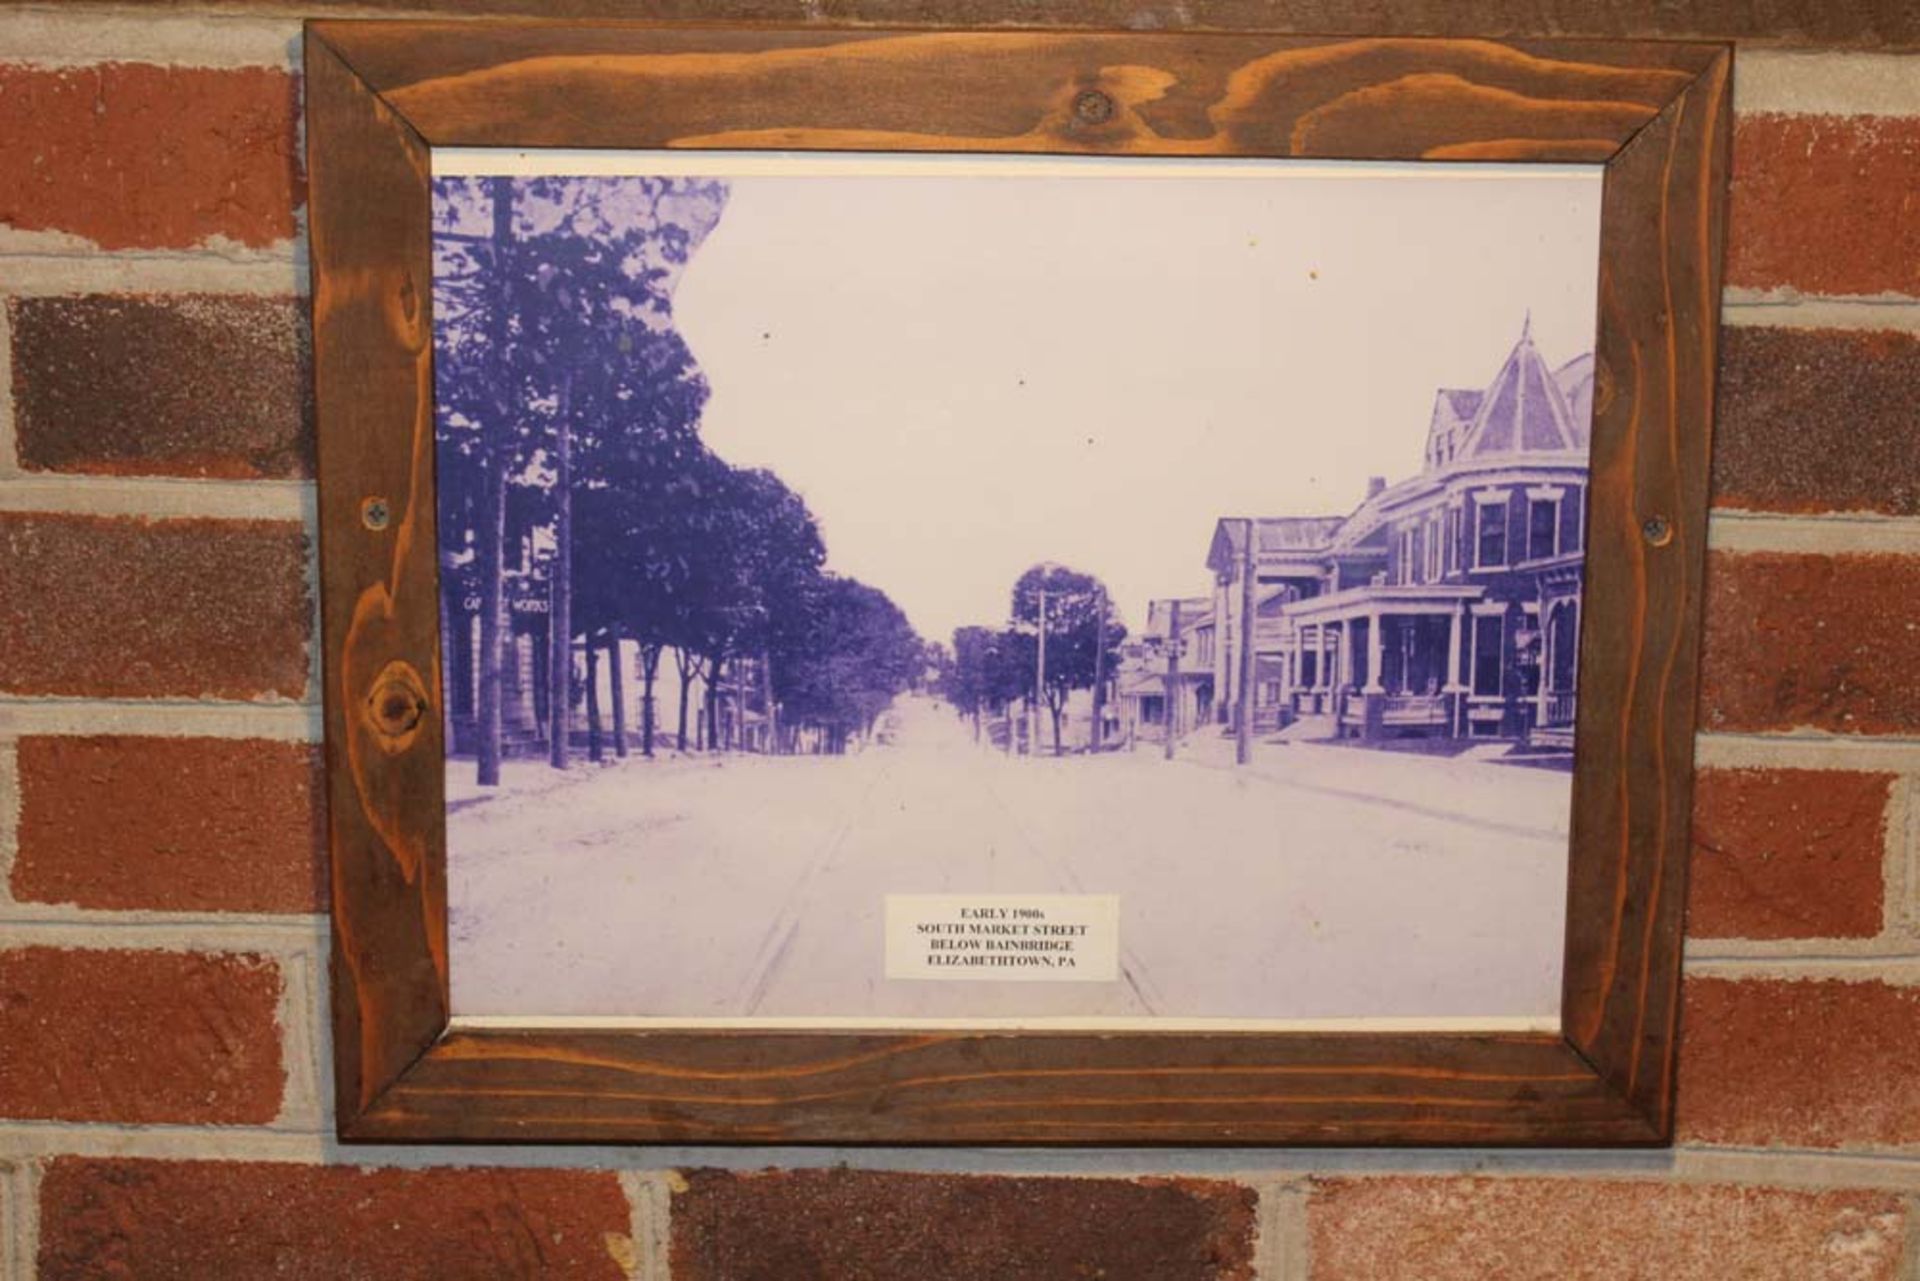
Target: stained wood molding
<point>380,95</point>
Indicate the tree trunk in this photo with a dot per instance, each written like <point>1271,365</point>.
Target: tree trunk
<point>493,504</point>
<point>1055,710</point>
<point>619,681</point>
<point>594,753</point>
<point>447,667</point>
<point>649,667</point>
<point>716,666</point>
<point>561,636</point>
<point>493,531</point>
<point>687,668</point>
<point>773,713</point>
<point>1099,667</point>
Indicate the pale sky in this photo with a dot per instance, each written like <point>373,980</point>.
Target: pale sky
<point>966,375</point>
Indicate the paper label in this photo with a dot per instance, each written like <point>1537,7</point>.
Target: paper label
<point>1020,938</point>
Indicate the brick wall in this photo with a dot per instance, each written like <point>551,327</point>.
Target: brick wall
<point>162,955</point>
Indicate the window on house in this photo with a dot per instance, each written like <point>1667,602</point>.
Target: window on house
<point>1490,547</point>
<point>1433,549</point>
<point>1452,560</point>
<point>1488,633</point>
<point>1543,528</point>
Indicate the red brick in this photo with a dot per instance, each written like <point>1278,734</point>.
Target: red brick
<point>1781,854</point>
<point>1817,420</point>
<point>139,1037</point>
<point>194,385</point>
<point>1825,204</point>
<point>1812,1064</point>
<point>133,156</point>
<point>1820,642</point>
<point>1471,1229</point>
<point>171,824</point>
<point>111,608</point>
<point>202,1219</point>
<point>858,1225</point>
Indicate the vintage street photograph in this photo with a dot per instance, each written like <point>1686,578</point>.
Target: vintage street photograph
<point>1016,591</point>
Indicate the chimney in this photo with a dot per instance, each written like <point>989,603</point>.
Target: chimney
<point>1376,485</point>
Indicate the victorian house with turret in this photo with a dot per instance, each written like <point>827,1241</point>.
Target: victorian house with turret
<point>1446,604</point>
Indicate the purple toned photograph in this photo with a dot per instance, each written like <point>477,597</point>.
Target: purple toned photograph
<point>1025,592</point>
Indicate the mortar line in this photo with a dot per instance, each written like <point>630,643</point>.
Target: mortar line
<point>1815,82</point>
<point>1280,1245</point>
<point>9,818</point>
<point>1887,1169</point>
<point>650,1208</point>
<point>1881,947</point>
<point>1807,750</point>
<point>11,1230</point>
<point>299,1017</point>
<point>161,718</point>
<point>1785,309</point>
<point>158,498</point>
<point>316,615</point>
<point>25,1196</point>
<point>1737,530</point>
<point>1896,970</point>
<point>9,438</point>
<point>1910,1246</point>
<point>54,39</point>
<point>281,938</point>
<point>1908,789</point>
<point>42,263</point>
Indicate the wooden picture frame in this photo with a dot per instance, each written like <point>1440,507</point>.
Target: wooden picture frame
<point>381,94</point>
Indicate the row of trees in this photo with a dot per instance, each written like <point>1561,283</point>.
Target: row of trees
<point>991,668</point>
<point>569,411</point>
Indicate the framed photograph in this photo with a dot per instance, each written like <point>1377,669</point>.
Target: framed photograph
<point>1009,587</point>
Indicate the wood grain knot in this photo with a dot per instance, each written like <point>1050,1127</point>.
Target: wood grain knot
<point>1092,107</point>
<point>397,707</point>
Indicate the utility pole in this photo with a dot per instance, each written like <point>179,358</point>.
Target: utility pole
<point>1040,674</point>
<point>1243,731</point>
<point>1173,678</point>
<point>560,613</point>
<point>1099,660</point>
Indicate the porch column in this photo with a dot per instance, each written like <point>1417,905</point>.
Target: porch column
<point>1375,655</point>
<point>1453,685</point>
<point>1546,670</point>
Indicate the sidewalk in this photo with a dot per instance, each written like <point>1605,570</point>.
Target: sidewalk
<point>529,777</point>
<point>1467,788</point>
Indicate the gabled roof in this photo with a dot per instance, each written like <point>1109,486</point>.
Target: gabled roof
<point>1453,412</point>
<point>1273,536</point>
<point>1523,408</point>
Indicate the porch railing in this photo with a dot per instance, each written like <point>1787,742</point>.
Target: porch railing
<point>1560,708</point>
<point>1414,709</point>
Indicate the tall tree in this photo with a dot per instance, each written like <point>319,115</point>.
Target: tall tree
<point>1078,625</point>
<point>965,682</point>
<point>551,295</point>
<point>859,654</point>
